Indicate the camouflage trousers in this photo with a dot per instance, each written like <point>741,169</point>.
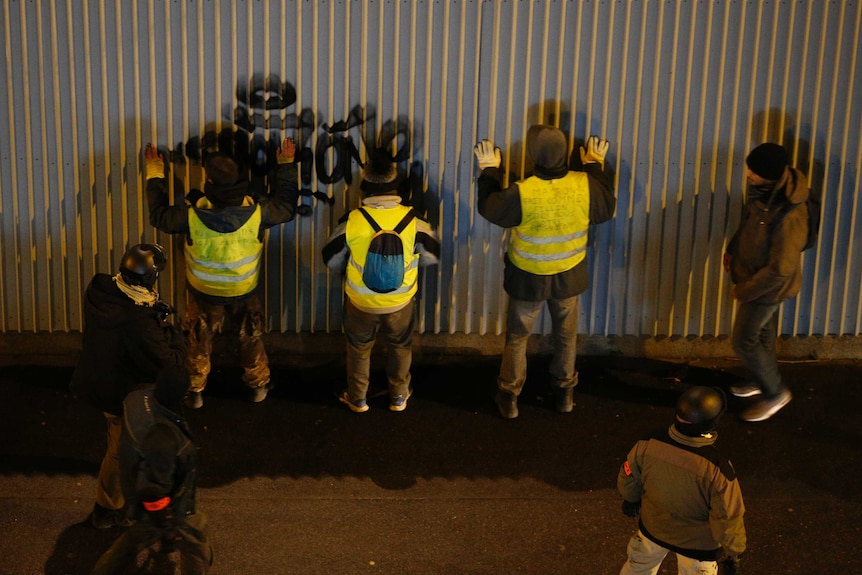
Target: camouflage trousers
<point>203,320</point>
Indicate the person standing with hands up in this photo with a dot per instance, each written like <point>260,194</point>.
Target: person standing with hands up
<point>549,214</point>
<point>224,228</point>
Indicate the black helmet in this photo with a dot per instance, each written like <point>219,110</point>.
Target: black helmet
<point>142,263</point>
<point>698,409</point>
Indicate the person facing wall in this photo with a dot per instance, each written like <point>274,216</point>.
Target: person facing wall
<point>549,214</point>
<point>224,229</point>
<point>380,247</point>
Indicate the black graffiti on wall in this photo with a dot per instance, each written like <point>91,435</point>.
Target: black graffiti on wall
<point>264,115</point>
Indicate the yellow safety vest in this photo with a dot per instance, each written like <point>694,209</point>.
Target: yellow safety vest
<point>223,264</point>
<point>555,216</point>
<point>359,233</point>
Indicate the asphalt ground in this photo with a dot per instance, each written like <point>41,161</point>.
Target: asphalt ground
<point>300,485</point>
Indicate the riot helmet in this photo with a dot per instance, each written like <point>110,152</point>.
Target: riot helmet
<point>142,264</point>
<point>698,409</point>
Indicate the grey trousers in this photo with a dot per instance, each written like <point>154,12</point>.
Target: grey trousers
<point>519,323</point>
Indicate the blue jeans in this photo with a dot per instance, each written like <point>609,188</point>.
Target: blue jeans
<point>519,323</point>
<point>754,333</point>
<point>361,330</point>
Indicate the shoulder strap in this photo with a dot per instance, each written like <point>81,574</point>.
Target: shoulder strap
<point>408,217</point>
<point>371,221</point>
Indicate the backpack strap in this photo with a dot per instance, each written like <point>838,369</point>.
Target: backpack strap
<point>408,217</point>
<point>371,221</point>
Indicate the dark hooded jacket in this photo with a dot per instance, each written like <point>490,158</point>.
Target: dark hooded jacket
<point>124,346</point>
<point>766,261</point>
<point>226,211</point>
<point>158,454</point>
<point>503,207</point>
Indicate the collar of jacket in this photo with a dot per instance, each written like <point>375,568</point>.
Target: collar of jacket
<point>699,441</point>
<point>382,202</point>
<point>550,173</point>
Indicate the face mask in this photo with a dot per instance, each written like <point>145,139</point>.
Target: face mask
<point>762,191</point>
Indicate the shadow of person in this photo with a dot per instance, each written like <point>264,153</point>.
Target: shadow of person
<point>78,548</point>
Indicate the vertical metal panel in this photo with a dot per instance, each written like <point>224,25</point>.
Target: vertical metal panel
<point>682,89</point>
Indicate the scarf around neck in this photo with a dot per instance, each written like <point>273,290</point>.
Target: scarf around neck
<point>138,294</point>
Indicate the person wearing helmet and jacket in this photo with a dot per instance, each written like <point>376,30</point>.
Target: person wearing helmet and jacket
<point>549,215</point>
<point>369,307</point>
<point>127,340</point>
<point>225,228</point>
<point>686,492</point>
<point>159,462</point>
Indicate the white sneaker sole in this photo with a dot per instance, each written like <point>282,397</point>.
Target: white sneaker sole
<point>746,392</point>
<point>773,409</point>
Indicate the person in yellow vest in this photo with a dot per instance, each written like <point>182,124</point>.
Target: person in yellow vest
<point>381,280</point>
<point>549,214</point>
<point>225,229</point>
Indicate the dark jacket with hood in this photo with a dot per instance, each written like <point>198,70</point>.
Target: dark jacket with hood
<point>158,455</point>
<point>503,207</point>
<point>229,212</point>
<point>124,346</point>
<point>766,261</point>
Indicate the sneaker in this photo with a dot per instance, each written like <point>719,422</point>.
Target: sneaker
<point>360,406</point>
<point>194,400</point>
<point>258,394</point>
<point>766,408</point>
<point>104,518</point>
<point>507,403</point>
<point>399,403</point>
<point>564,399</point>
<point>746,390</point>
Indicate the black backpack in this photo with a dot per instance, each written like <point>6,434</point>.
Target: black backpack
<point>813,202</point>
<point>384,264</point>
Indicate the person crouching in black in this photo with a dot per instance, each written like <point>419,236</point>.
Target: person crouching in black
<point>159,460</point>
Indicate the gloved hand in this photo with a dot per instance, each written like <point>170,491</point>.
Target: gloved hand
<point>163,310</point>
<point>631,508</point>
<point>287,152</point>
<point>595,151</point>
<point>154,163</point>
<point>488,155</point>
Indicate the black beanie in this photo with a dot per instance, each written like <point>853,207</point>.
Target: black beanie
<point>768,161</point>
<point>379,177</point>
<point>171,386</point>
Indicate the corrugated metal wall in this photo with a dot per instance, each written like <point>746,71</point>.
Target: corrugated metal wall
<point>683,89</point>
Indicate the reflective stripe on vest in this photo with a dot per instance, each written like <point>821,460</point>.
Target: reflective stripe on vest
<point>359,233</point>
<point>223,264</point>
<point>555,217</point>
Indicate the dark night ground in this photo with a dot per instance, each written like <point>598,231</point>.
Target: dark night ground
<point>298,484</point>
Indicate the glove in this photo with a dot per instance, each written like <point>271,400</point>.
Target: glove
<point>287,152</point>
<point>488,155</point>
<point>154,163</point>
<point>631,508</point>
<point>595,151</point>
<point>163,310</point>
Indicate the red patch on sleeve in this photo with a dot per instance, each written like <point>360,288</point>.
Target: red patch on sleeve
<point>627,468</point>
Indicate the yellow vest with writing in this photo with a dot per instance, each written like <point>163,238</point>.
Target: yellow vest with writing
<point>359,233</point>
<point>555,217</point>
<point>223,264</point>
